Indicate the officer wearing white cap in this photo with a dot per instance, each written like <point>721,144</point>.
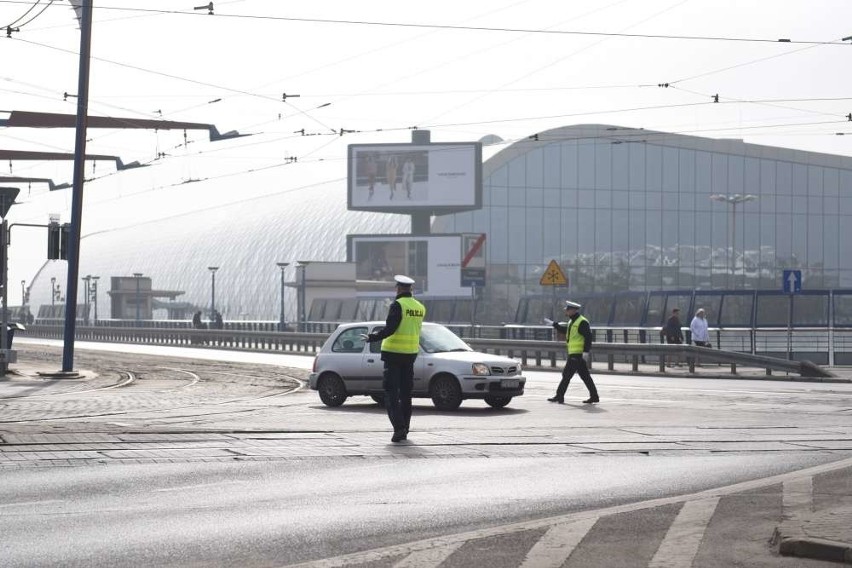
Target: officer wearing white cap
<point>400,344</point>
<point>578,342</point>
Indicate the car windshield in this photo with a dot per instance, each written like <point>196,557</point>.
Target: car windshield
<point>439,339</point>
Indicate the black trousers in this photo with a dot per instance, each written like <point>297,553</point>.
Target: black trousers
<point>576,364</point>
<point>399,380</point>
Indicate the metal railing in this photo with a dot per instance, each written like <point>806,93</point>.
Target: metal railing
<point>544,352</point>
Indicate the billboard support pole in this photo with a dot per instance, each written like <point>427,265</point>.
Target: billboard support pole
<point>421,223</point>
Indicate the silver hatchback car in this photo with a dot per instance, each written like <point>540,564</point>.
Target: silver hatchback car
<point>447,370</point>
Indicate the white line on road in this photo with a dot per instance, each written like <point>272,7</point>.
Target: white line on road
<point>429,558</point>
<point>684,536</point>
<point>557,544</point>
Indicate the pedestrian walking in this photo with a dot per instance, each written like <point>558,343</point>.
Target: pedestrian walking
<point>578,342</point>
<point>672,330</point>
<point>699,329</point>
<point>400,344</point>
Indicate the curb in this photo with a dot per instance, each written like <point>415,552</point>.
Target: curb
<point>803,546</point>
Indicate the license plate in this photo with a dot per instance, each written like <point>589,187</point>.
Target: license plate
<point>509,383</point>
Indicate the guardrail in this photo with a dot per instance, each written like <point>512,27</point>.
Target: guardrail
<point>544,353</point>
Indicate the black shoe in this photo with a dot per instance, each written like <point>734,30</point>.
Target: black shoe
<point>556,399</point>
<point>398,436</point>
<point>591,400</point>
<point>405,433</point>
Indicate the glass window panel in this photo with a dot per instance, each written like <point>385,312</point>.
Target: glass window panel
<point>831,241</point>
<point>620,166</point>
<point>620,200</point>
<point>620,228</point>
<point>637,200</point>
<point>603,231</point>
<point>569,198</point>
<point>349,310</point>
<point>636,229</point>
<point>767,178</point>
<point>752,176</point>
<point>671,163</point>
<point>636,180</point>
<point>686,171</point>
<point>656,310</point>
<point>569,164</point>
<point>440,310</point>
<point>783,178</point>
<point>783,204</point>
<point>800,180</point>
<point>534,228</point>
<point>603,165</point>
<point>671,225</point>
<point>772,310</point>
<point>810,310</point>
<point>703,180</point>
<point>842,309</point>
<point>816,240</point>
<point>845,207</point>
<point>629,309</point>
<point>552,198</point>
<point>799,237</point>
<point>603,199</point>
<point>767,204</point>
<point>517,245</point>
<point>316,310</point>
<point>517,173</point>
<point>552,166</point>
<point>736,174</point>
<point>654,171</point>
<point>712,304</point>
<point>801,204</point>
<point>671,202</point>
<point>687,202</point>
<point>586,234</point>
<point>586,199</point>
<point>654,200</point>
<point>597,309</point>
<point>552,243</point>
<point>495,195</point>
<point>586,164</point>
<point>736,310</point>
<point>815,188</point>
<point>682,300</point>
<point>720,173</point>
<point>569,233</point>
<point>497,241</point>
<point>535,169</point>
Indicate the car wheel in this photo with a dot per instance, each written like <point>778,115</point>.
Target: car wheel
<point>332,392</point>
<point>446,392</point>
<point>495,401</point>
<point>378,398</point>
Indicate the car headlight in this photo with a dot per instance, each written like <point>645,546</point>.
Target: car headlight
<point>480,369</point>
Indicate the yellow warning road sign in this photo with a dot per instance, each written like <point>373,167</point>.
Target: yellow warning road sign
<point>553,276</point>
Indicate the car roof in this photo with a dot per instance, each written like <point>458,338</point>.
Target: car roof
<point>374,323</point>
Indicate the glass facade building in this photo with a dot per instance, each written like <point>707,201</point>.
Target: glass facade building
<point>634,210</point>
<point>646,216</point>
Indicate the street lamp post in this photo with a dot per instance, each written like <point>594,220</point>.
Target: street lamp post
<point>94,292</point>
<point>86,280</point>
<point>212,270</point>
<point>52,292</point>
<point>733,201</point>
<point>138,277</point>
<point>302,308</point>
<point>282,325</point>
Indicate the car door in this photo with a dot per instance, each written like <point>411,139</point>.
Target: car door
<point>346,352</point>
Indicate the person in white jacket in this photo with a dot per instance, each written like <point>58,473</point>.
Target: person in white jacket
<point>698,328</point>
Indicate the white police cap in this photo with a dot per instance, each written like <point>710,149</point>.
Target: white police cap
<point>570,304</point>
<point>403,280</point>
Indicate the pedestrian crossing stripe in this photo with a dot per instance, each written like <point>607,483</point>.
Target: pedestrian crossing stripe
<point>553,275</point>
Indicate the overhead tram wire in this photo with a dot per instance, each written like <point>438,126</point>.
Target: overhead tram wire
<point>746,101</point>
<point>219,14</point>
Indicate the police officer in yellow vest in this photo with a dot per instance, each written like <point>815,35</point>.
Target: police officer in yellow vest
<point>400,344</point>
<point>578,340</point>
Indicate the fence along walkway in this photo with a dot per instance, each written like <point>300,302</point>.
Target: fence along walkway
<point>546,354</point>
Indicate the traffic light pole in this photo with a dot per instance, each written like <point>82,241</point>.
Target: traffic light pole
<point>77,199</point>
<point>4,327</point>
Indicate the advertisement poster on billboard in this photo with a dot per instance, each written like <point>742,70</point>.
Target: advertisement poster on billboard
<point>412,177</point>
<point>432,261</point>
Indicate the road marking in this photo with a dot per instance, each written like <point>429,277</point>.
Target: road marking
<point>797,499</point>
<point>431,557</point>
<point>684,535</point>
<point>557,544</point>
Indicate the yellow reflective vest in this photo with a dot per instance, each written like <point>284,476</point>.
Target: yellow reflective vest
<point>406,338</point>
<point>575,342</point>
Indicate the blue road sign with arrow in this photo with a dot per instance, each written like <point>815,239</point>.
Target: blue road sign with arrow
<point>792,281</point>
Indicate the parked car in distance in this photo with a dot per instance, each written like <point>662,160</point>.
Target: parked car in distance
<point>447,370</point>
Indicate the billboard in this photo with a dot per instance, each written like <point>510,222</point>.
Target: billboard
<point>409,178</point>
<point>434,261</point>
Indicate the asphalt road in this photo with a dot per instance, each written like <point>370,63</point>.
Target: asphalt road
<point>171,461</point>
